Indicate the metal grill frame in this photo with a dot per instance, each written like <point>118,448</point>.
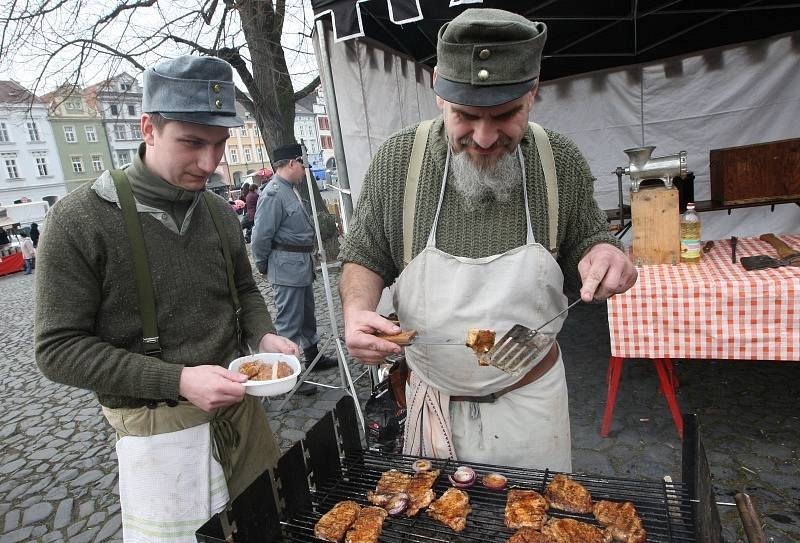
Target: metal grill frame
<point>329,465</point>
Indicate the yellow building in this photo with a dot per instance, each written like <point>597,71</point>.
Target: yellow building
<point>245,152</point>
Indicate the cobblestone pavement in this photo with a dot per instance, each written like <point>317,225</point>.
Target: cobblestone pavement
<point>58,469</point>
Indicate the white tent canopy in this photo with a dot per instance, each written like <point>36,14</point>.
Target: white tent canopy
<point>733,95</point>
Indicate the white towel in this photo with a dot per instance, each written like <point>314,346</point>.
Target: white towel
<point>427,431</point>
<point>169,485</point>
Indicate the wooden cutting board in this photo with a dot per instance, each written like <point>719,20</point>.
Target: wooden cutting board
<point>656,228</point>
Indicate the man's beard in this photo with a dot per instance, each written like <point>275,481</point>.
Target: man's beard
<point>481,182</point>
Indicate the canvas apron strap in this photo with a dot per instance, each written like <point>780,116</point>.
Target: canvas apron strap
<point>549,168</point>
<point>412,183</point>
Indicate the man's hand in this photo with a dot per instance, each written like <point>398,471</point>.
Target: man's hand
<point>211,387</point>
<point>272,343</point>
<point>359,327</point>
<point>605,271</point>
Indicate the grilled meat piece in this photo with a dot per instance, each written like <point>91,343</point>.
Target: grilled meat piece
<point>568,495</point>
<point>621,521</point>
<point>525,509</point>
<point>529,535</point>
<point>567,530</point>
<point>451,509</point>
<point>334,524</point>
<point>390,483</point>
<point>480,341</point>
<point>367,527</point>
<point>419,491</point>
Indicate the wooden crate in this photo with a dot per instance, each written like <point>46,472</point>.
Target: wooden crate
<point>764,172</point>
<point>656,226</point>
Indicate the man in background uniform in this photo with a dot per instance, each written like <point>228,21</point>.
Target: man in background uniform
<point>282,244</point>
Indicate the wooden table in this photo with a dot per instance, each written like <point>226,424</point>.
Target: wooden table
<point>711,310</point>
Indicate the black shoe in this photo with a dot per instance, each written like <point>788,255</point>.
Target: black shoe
<point>324,363</point>
<point>306,389</point>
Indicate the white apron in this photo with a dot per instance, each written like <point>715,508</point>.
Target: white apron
<point>445,295</point>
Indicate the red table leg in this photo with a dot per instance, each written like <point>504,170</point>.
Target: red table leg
<point>664,369</point>
<point>612,378</point>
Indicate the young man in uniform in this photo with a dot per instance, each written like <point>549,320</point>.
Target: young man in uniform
<point>282,244</point>
<point>145,294</point>
<point>500,212</point>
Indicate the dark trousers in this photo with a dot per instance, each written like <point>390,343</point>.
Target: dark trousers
<point>28,266</point>
<point>295,317</point>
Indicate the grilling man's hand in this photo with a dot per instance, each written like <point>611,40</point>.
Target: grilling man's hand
<point>605,271</point>
<point>359,327</point>
<point>211,387</point>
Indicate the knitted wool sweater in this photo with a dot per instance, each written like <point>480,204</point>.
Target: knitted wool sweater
<point>375,239</point>
<point>88,330</point>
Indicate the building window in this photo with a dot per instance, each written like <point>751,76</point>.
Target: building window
<point>114,109</point>
<point>234,156</point>
<point>136,132</point>
<point>243,131</point>
<point>119,132</point>
<point>69,134</point>
<point>260,153</point>
<point>248,155</point>
<point>33,131</point>
<point>232,131</point>
<point>41,165</point>
<point>91,135</point>
<point>131,109</point>
<point>326,142</point>
<point>12,172</point>
<point>4,133</point>
<point>124,87</point>
<point>77,163</point>
<point>123,158</point>
<point>73,104</point>
<point>97,163</point>
<point>323,123</point>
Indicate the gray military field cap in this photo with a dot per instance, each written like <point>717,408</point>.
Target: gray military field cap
<point>487,57</point>
<point>192,89</point>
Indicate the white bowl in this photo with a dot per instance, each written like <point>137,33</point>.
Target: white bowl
<point>275,386</point>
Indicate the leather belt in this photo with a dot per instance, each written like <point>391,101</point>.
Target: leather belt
<point>535,372</point>
<point>152,404</point>
<point>293,248</point>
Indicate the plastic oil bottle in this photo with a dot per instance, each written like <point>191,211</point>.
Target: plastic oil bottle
<point>690,235</point>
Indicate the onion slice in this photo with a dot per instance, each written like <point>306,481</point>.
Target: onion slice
<point>421,465</point>
<point>494,481</point>
<point>397,504</point>
<point>464,477</point>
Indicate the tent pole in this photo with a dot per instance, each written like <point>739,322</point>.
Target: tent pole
<point>333,114</point>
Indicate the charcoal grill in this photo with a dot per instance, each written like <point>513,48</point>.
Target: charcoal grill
<point>329,465</point>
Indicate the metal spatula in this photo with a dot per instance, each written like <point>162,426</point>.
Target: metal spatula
<point>520,345</point>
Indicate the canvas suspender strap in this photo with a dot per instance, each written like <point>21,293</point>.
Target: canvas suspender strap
<point>226,251</point>
<point>412,182</point>
<point>549,168</point>
<point>141,269</point>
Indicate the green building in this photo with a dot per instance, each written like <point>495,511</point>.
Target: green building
<point>80,136</point>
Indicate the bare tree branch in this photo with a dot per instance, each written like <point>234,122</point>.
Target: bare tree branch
<point>308,89</point>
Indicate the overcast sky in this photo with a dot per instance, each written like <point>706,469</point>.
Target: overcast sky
<point>25,63</point>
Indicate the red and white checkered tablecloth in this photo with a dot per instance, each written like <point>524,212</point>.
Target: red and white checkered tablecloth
<point>714,309</point>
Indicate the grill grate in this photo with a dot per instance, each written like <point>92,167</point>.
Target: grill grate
<point>665,508</point>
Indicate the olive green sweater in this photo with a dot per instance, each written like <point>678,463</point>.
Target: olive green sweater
<point>88,330</point>
<point>375,239</point>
